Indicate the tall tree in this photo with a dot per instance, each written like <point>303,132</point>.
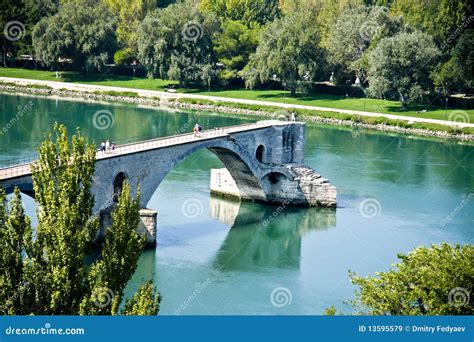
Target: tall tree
<point>234,45</point>
<point>289,51</point>
<point>130,14</point>
<point>48,274</point>
<point>355,33</point>
<point>119,256</point>
<point>428,281</point>
<point>176,43</point>
<point>463,56</point>
<point>82,31</point>
<point>400,66</point>
<point>15,238</point>
<point>62,181</point>
<point>247,11</point>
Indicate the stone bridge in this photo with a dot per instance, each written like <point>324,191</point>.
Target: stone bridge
<point>264,159</point>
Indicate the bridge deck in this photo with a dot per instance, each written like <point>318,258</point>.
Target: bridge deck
<point>24,169</point>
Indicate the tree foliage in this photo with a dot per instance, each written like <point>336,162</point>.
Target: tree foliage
<point>82,31</point>
<point>46,273</point>
<point>400,66</point>
<point>289,51</point>
<point>144,302</point>
<point>428,281</point>
<point>234,45</point>
<point>247,11</point>
<point>355,33</point>
<point>176,43</point>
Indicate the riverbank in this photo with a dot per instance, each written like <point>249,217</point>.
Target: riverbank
<point>360,120</point>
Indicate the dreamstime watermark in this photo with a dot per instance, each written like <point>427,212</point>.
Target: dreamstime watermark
<point>187,126</point>
<point>192,208</point>
<point>102,296</point>
<point>458,297</point>
<point>465,200</point>
<point>14,30</point>
<point>458,32</point>
<point>281,296</point>
<point>192,31</point>
<point>281,208</point>
<point>370,208</point>
<point>22,110</point>
<point>46,330</point>
<point>459,116</point>
<point>103,119</point>
<point>192,297</point>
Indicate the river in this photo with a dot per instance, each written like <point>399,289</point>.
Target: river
<point>395,192</point>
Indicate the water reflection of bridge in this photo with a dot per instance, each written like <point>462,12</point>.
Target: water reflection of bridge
<point>254,241</point>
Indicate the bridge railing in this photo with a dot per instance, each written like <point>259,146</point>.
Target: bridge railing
<point>21,166</point>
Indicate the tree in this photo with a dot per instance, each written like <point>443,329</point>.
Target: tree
<point>15,237</point>
<point>428,281</point>
<point>144,302</point>
<point>439,19</point>
<point>176,43</point>
<point>233,46</point>
<point>356,32</point>
<point>446,76</point>
<point>48,275</point>
<point>288,51</point>
<point>464,58</point>
<point>109,276</point>
<point>130,15</point>
<point>249,12</point>
<point>402,65</point>
<point>82,31</point>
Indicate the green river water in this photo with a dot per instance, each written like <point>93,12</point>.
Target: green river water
<point>223,260</point>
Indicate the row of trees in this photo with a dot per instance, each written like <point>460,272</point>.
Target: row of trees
<point>402,49</point>
<point>44,272</point>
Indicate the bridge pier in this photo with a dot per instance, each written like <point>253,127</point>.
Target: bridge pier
<point>300,186</point>
<point>146,225</point>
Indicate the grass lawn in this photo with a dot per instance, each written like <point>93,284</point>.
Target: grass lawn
<point>320,100</point>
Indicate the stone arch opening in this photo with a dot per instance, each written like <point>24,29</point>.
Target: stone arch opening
<point>276,185</point>
<point>119,179</point>
<point>240,164</point>
<point>260,153</point>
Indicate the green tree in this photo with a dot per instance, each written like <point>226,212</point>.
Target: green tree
<point>82,31</point>
<point>355,33</point>
<point>447,76</point>
<point>48,275</point>
<point>15,238</point>
<point>233,46</point>
<point>130,15</point>
<point>288,51</point>
<point>119,256</point>
<point>62,180</point>
<point>145,302</point>
<point>439,19</point>
<point>247,11</point>
<point>428,281</point>
<point>402,65</point>
<point>176,43</point>
<point>463,56</point>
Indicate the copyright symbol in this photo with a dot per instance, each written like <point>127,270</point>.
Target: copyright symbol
<point>407,328</point>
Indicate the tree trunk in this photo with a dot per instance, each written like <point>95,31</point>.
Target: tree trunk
<point>293,92</point>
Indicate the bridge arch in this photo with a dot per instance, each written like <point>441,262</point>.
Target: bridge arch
<point>148,169</point>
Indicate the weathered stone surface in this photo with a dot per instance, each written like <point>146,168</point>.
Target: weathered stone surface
<point>147,225</point>
<point>305,187</point>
